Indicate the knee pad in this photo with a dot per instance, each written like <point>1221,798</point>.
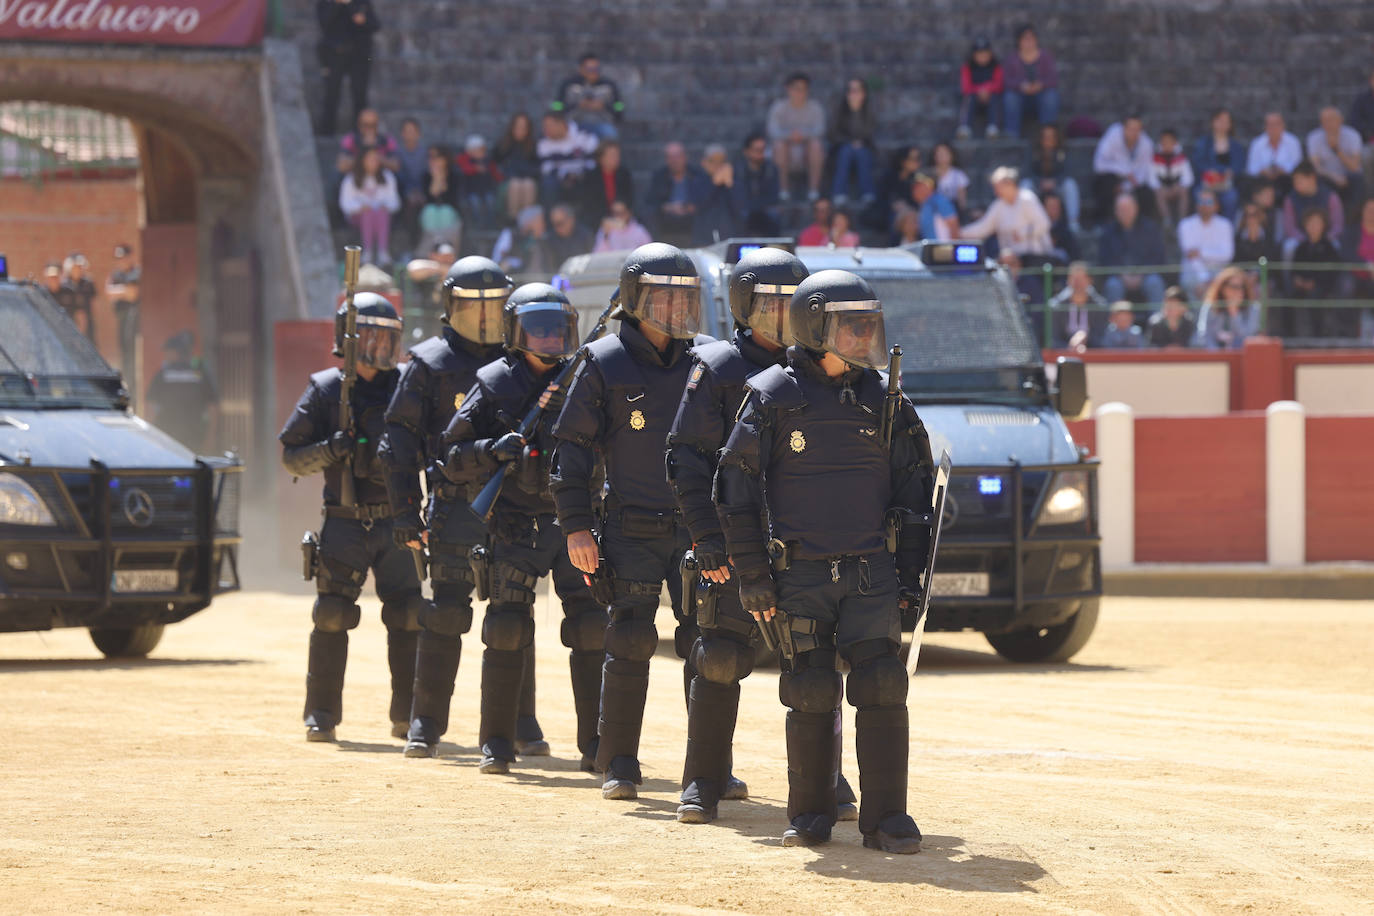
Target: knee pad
<point>685,638</point>
<point>881,681</point>
<point>811,689</point>
<point>404,613</point>
<point>335,613</point>
<point>507,629</point>
<point>632,640</point>
<point>722,661</point>
<point>586,632</point>
<point>448,619</point>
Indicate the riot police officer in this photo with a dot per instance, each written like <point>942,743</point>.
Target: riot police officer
<point>621,404</point>
<point>540,333</point>
<point>809,447</point>
<point>354,538</point>
<point>432,387</point>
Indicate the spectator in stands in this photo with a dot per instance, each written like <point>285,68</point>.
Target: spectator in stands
<point>1308,194</point>
<point>516,157</point>
<point>1208,243</point>
<point>1078,313</point>
<point>796,126</point>
<point>620,231</point>
<point>1173,325</point>
<point>1274,154</point>
<point>819,230</point>
<point>842,234</point>
<point>1122,333</point>
<point>851,141</point>
<point>604,185</point>
<point>1316,247</point>
<point>939,219</point>
<point>368,134</point>
<point>717,215</point>
<point>412,158</point>
<point>1123,163</point>
<point>122,290</point>
<point>344,50</point>
<point>523,248</point>
<point>1171,177</point>
<point>426,275</point>
<point>1262,194</point>
<point>367,197</point>
<point>907,228</point>
<point>1359,248</point>
<point>1047,171</point>
<point>1334,150</point>
<point>950,180</point>
<point>1218,160</point>
<point>1062,236</point>
<point>896,185</point>
<point>439,219</point>
<point>478,179</point>
<point>592,101</point>
<point>756,186</point>
<point>1032,82</point>
<point>1015,216</point>
<point>567,239</point>
<point>980,89</point>
<point>565,152</point>
<point>1132,240</point>
<point>1254,238</point>
<point>1230,315</point>
<point>674,192</point>
<point>1362,119</point>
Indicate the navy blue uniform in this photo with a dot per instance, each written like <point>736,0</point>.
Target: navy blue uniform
<point>430,391</point>
<point>620,407</point>
<point>352,541</point>
<point>527,543</point>
<point>807,449</point>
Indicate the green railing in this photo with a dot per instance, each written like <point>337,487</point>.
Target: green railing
<point>39,140</point>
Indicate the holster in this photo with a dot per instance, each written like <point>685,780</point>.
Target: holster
<point>479,559</point>
<point>779,555</point>
<point>601,583</point>
<point>707,599</point>
<point>310,555</point>
<point>691,578</point>
<point>782,630</point>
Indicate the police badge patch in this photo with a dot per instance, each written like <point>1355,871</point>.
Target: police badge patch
<point>458,400</point>
<point>695,377</point>
<point>798,442</point>
<point>636,419</point>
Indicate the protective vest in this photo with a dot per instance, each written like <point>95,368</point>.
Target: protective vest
<point>369,409</point>
<point>508,390</point>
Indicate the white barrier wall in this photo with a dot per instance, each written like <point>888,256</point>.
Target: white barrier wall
<point>1331,389</point>
<point>1183,389</point>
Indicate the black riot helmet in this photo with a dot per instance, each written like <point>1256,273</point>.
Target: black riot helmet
<point>660,287</point>
<point>761,287</point>
<point>835,311</point>
<point>475,290</point>
<point>379,331</point>
<point>538,319</point>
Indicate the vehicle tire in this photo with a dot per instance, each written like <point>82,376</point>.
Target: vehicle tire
<point>132,643</point>
<point>1058,643</point>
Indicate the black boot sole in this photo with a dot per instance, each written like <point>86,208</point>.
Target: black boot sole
<point>793,837</point>
<point>323,735</point>
<point>419,749</point>
<point>847,811</point>
<point>897,845</point>
<point>695,814</point>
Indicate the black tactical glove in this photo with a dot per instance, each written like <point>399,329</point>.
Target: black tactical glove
<point>757,592</point>
<point>405,529</point>
<point>340,445</point>
<point>711,554</point>
<point>508,448</point>
<point>555,402</point>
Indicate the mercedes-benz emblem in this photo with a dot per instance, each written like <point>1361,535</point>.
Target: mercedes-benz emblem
<point>138,508</point>
<point>951,513</point>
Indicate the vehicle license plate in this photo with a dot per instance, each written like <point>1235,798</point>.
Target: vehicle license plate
<point>145,580</point>
<point>959,583</point>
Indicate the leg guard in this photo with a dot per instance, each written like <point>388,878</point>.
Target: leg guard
<point>324,678</point>
<point>527,726</point>
<point>400,655</point>
<point>812,692</point>
<point>630,643</point>
<point>335,613</point>
<point>684,638</point>
<point>585,668</point>
<point>881,736</point>
<point>436,668</point>
<point>502,671</point>
<point>712,711</point>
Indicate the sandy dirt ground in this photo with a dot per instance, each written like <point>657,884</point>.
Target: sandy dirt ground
<point>1197,757</point>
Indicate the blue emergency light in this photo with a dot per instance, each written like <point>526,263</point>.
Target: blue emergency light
<point>990,486</point>
<point>966,254</point>
<point>951,254</point>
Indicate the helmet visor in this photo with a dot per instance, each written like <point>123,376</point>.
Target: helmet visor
<point>769,313</point>
<point>854,332</point>
<point>379,342</point>
<point>670,304</point>
<point>476,313</point>
<point>545,329</point>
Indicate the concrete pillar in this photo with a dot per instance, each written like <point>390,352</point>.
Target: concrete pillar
<point>1285,435</point>
<point>1116,484</point>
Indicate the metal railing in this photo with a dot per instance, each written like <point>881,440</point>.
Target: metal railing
<point>39,140</point>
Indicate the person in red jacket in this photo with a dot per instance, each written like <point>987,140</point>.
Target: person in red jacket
<point>478,178</point>
<point>980,84</point>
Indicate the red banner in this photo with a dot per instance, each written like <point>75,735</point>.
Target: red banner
<point>218,23</point>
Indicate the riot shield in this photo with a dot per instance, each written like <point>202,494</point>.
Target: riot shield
<point>937,504</point>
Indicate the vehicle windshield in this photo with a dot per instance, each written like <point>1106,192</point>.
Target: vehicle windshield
<point>962,335</point>
<point>44,360</point>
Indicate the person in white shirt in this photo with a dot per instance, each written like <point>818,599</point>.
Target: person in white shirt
<point>1274,154</point>
<point>1208,242</point>
<point>1335,150</point>
<point>1015,216</point>
<point>1123,161</point>
<point>368,196</point>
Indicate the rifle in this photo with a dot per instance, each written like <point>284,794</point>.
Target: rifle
<point>894,394</point>
<point>353,256</point>
<point>485,502</point>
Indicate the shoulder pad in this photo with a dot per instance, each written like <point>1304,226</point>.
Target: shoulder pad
<point>873,388</point>
<point>432,352</point>
<point>498,378</point>
<point>618,367</point>
<point>702,340</point>
<point>777,388</point>
<point>727,365</point>
<point>327,380</point>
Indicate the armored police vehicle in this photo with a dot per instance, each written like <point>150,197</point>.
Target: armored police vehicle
<point>105,521</point>
<point>1019,552</point>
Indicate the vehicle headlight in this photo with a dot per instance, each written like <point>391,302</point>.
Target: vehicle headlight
<point>1069,501</point>
<point>20,504</point>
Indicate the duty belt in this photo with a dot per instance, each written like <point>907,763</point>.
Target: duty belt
<point>784,554</point>
<point>368,514</point>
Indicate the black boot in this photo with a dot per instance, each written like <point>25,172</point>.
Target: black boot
<point>710,732</point>
<point>529,737</point>
<point>624,687</point>
<point>436,668</point>
<point>811,777</point>
<point>502,671</point>
<point>324,678</point>
<point>585,669</point>
<point>400,655</point>
<point>881,736</point>
<point>847,807</point>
